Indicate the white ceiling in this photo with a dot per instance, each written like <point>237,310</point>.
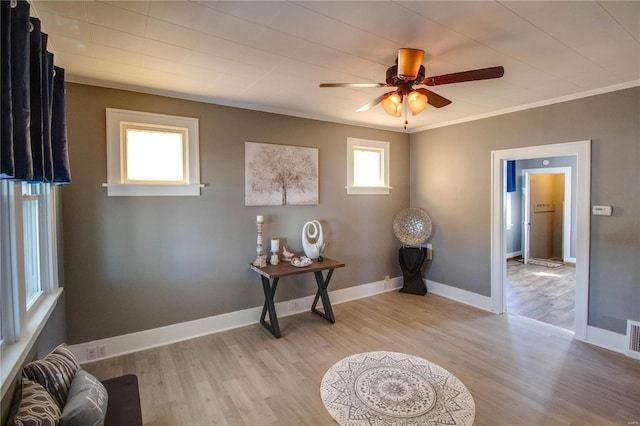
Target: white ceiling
<point>271,56</point>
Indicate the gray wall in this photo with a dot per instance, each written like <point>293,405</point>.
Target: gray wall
<point>451,177</point>
<point>136,263</point>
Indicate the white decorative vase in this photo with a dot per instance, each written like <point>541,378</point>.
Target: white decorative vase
<point>312,239</point>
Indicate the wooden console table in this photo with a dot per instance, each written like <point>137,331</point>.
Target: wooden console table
<point>285,269</point>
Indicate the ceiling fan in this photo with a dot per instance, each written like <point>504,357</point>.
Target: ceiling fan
<point>408,72</point>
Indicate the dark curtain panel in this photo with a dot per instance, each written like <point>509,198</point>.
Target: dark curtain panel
<point>511,176</point>
<point>34,142</point>
<point>6,126</point>
<point>16,146</point>
<point>59,152</point>
<point>35,42</point>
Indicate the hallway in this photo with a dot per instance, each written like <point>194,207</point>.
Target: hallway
<point>542,293</point>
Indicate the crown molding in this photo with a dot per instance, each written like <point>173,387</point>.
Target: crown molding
<point>283,111</point>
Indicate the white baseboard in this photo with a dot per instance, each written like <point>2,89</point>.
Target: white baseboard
<point>459,295</point>
<point>513,254</point>
<point>147,339</point>
<point>606,339</point>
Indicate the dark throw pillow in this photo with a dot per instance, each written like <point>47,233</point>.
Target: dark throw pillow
<point>36,407</point>
<point>86,402</point>
<point>55,373</point>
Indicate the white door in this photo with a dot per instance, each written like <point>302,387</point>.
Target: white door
<point>526,217</point>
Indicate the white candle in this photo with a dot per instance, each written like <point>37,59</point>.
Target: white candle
<point>275,244</point>
<point>260,219</point>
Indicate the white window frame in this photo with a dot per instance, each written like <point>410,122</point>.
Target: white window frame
<point>508,199</point>
<point>353,144</point>
<point>22,324</point>
<point>118,120</point>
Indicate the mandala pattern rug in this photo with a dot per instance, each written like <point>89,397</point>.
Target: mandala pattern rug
<point>390,388</point>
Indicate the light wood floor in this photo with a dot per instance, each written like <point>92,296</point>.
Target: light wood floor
<point>542,293</point>
<point>519,371</point>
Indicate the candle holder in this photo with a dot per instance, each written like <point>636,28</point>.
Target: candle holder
<point>261,259</point>
<point>275,248</point>
<point>274,258</point>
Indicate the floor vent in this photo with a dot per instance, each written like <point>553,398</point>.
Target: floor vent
<point>633,339</point>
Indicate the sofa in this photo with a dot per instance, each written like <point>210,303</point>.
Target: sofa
<point>55,390</point>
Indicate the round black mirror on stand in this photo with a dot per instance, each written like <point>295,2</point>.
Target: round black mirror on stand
<point>412,227</point>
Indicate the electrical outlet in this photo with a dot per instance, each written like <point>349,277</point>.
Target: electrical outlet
<point>92,352</point>
<point>386,283</point>
<point>102,351</point>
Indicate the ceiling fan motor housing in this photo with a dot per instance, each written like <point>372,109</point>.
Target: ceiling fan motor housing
<point>393,79</point>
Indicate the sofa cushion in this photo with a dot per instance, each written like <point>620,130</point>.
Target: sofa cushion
<point>86,402</point>
<point>54,372</point>
<point>36,406</point>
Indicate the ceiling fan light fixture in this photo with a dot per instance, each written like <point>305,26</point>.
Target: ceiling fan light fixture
<point>417,101</point>
<point>392,104</point>
<point>409,62</point>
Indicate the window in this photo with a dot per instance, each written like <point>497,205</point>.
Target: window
<point>151,154</point>
<point>508,200</point>
<point>367,167</point>
<point>31,242</point>
<point>28,252</point>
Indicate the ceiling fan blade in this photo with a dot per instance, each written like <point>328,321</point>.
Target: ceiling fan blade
<point>459,77</point>
<point>353,85</point>
<point>375,102</point>
<point>433,98</point>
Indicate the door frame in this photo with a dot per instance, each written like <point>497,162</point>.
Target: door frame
<point>566,209</point>
<point>582,151</point>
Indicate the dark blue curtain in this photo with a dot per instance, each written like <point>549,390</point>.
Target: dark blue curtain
<point>511,176</point>
<point>34,141</point>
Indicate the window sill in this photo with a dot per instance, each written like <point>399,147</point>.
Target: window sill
<point>14,354</point>
<point>368,190</point>
<point>127,190</point>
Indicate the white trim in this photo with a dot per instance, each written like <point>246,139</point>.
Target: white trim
<point>459,295</point>
<point>605,339</point>
<point>125,190</point>
<point>275,110</point>
<point>582,151</point>
<point>147,339</point>
<point>567,98</point>
<point>368,190</point>
<point>513,254</point>
<point>385,153</point>
<point>15,354</point>
<point>117,120</point>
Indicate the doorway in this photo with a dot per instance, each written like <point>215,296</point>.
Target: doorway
<point>582,152</point>
<point>540,280</point>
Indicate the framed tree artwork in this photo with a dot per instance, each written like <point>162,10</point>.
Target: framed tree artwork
<point>279,175</point>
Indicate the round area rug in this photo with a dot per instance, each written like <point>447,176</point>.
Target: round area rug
<point>390,388</point>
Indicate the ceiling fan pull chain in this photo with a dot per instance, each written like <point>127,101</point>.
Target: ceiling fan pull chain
<point>404,110</point>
